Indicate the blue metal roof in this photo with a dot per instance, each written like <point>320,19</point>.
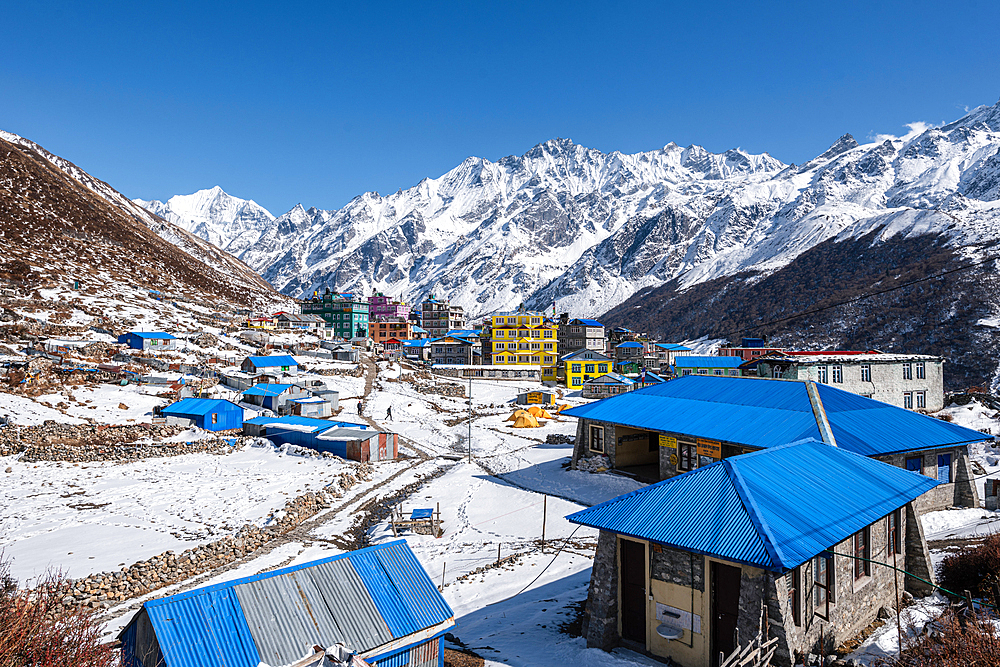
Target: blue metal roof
<point>589,323</point>
<point>762,413</point>
<point>153,334</point>
<point>673,347</point>
<point>364,598</point>
<point>276,360</point>
<point>707,362</point>
<point>648,377</point>
<point>629,344</point>
<point>317,424</point>
<point>595,355</point>
<point>200,406</point>
<point>621,379</point>
<point>774,509</point>
<point>267,389</point>
<point>464,333</point>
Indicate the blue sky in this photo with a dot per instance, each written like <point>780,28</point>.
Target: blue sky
<point>317,102</point>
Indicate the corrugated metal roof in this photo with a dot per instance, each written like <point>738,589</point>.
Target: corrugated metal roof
<point>317,424</point>
<point>200,406</point>
<point>629,344</point>
<point>614,377</point>
<point>589,323</point>
<point>159,335</point>
<point>673,347</point>
<point>267,389</point>
<point>762,413</point>
<point>364,598</point>
<point>707,362</point>
<point>276,360</point>
<point>773,509</point>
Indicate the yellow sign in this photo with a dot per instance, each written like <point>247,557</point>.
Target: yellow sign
<point>709,448</point>
<point>535,397</point>
<point>667,441</point>
<point>673,459</point>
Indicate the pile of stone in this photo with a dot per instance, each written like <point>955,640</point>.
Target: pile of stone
<point>559,439</point>
<point>101,591</point>
<point>594,464</point>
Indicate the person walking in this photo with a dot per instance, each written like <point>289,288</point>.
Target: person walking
<point>388,413</point>
<point>359,408</point>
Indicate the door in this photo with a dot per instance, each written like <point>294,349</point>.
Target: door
<point>633,583</point>
<point>725,609</point>
<point>381,447</point>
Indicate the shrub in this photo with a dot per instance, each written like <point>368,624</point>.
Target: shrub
<point>952,643</point>
<point>972,569</point>
<point>36,632</point>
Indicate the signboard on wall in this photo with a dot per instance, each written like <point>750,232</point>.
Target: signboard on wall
<point>709,448</point>
<point>678,618</point>
<point>632,437</point>
<point>667,441</point>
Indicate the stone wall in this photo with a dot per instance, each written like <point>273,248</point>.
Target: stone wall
<point>678,567</point>
<point>600,623</point>
<point>960,492</point>
<point>582,448</point>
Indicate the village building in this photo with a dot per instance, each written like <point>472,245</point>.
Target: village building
<point>419,333</point>
<point>418,350</point>
<point>382,329</point>
<point>584,365</point>
<point>609,384</point>
<point>581,334</point>
<point>346,314</point>
<point>703,563</point>
<point>273,397</point>
<point>315,406</point>
<point>439,317</point>
<point>262,322</point>
<point>535,398</point>
<point>311,323</point>
<point>276,364</point>
<point>748,349</point>
<point>665,354</point>
<point>707,365</point>
<point>357,442</point>
<point>630,350</point>
<point>149,341</point>
<point>525,338</point>
<point>486,372</point>
<point>384,307</point>
<point>378,602</point>
<point>210,414</point>
<point>910,381</point>
<point>690,422</point>
<point>452,350</point>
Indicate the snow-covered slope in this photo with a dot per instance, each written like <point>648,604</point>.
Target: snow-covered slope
<point>586,230</point>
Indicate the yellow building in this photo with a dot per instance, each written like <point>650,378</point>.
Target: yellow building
<point>584,365</point>
<point>525,338</point>
<point>261,323</point>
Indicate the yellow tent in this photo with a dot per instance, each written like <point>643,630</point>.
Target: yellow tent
<point>534,410</point>
<point>564,406</point>
<point>542,414</point>
<point>517,413</point>
<point>526,421</point>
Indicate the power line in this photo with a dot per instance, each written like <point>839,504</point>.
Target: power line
<point>860,298</point>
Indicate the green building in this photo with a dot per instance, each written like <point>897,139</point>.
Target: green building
<point>346,314</point>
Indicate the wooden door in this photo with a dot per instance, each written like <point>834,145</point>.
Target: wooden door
<point>381,447</point>
<point>725,609</point>
<point>633,585</point>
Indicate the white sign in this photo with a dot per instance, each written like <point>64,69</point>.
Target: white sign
<point>678,618</point>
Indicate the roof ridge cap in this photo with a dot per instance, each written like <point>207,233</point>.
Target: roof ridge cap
<point>750,506</point>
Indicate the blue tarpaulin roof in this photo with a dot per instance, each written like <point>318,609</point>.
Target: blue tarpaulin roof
<point>707,362</point>
<point>200,406</point>
<point>267,389</point>
<point>761,413</point>
<point>276,360</point>
<point>774,509</point>
<point>365,598</point>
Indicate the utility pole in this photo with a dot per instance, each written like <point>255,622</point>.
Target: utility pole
<point>470,419</point>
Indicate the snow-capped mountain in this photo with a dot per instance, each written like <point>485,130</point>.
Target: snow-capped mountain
<point>229,223</point>
<point>585,230</point>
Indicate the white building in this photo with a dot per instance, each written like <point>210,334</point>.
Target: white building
<point>911,381</point>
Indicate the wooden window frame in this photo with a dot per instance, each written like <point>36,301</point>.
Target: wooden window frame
<point>590,441</point>
<point>861,545</point>
<point>893,540</point>
<point>687,451</point>
<point>823,588</point>
<point>792,579</point>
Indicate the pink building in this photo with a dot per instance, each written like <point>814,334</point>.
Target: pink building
<point>381,307</point>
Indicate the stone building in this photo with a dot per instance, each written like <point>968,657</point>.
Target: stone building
<point>910,381</point>
<point>581,334</point>
<point>690,422</point>
<point>455,350</point>
<point>439,317</point>
<point>702,563</point>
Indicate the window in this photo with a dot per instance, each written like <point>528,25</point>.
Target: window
<point>702,371</point>
<point>792,584</point>
<point>893,543</point>
<point>921,371</point>
<point>921,397</point>
<point>535,360</point>
<point>590,368</point>
<point>154,342</point>
<point>822,586</point>
<point>862,549</point>
<point>215,417</point>
<point>284,368</point>
<point>915,464</point>
<point>733,372</point>
<point>548,333</point>
<point>511,320</point>
<point>577,382</point>
<point>500,334</point>
<point>602,368</point>
<point>687,456</point>
<point>776,371</point>
<point>536,346</point>
<point>944,468</point>
<point>576,368</point>
<point>536,320</point>
<point>907,371</point>
<point>838,374</point>
<point>718,371</point>
<point>596,437</point>
<point>535,333</point>
<point>686,371</point>
<point>547,346</point>
<point>548,360</point>
<point>821,375</point>
<point>866,372</point>
<point>500,359</point>
<point>908,400</point>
